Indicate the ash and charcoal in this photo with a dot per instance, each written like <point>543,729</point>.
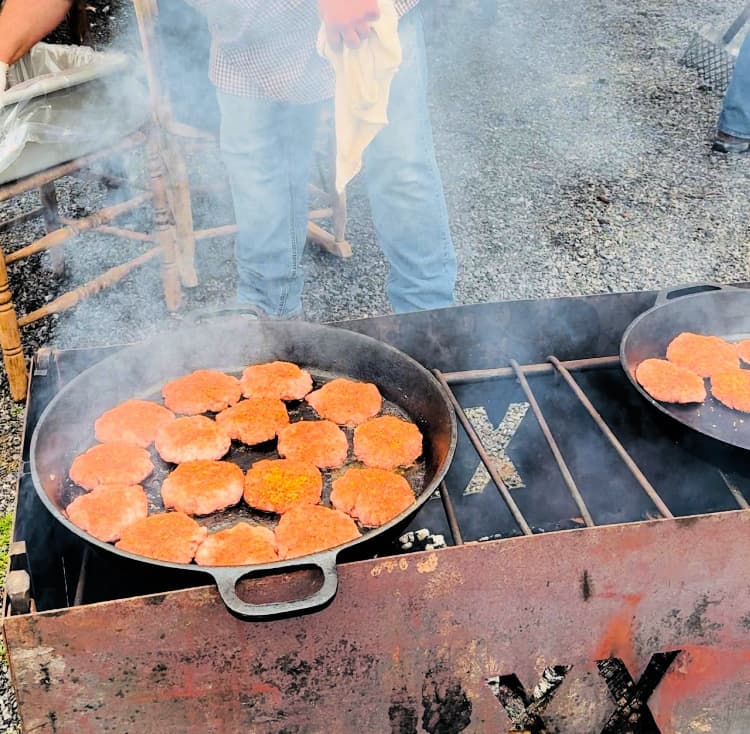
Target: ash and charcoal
<point>576,156</point>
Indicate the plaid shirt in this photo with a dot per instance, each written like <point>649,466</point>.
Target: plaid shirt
<point>267,48</point>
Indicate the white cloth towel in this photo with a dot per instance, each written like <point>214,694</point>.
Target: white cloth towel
<point>363,86</point>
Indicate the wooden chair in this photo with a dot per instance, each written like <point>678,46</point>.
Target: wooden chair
<point>161,240</point>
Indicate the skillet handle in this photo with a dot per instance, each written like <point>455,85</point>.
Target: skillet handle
<point>228,578</point>
<point>689,288</point>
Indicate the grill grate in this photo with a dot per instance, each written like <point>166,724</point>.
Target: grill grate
<point>713,63</point>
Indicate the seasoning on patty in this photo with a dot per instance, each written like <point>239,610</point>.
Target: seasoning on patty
<point>134,421</point>
<point>282,380</point>
<point>239,545</point>
<point>704,355</point>
<point>254,420</point>
<point>387,442</point>
<point>346,402</point>
<point>202,391</point>
<point>318,442</point>
<point>115,462</point>
<point>278,485</point>
<point>192,438</point>
<point>670,383</point>
<point>203,487</point>
<point>108,510</point>
<point>372,496</point>
<point>732,388</point>
<point>309,529</point>
<point>170,536</point>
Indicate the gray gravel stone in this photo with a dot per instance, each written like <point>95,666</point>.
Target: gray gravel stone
<point>576,156</point>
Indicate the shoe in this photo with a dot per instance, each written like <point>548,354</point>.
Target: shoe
<point>256,312</point>
<point>726,143</point>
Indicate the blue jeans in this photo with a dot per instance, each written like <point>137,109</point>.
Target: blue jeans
<point>735,112</point>
<point>267,147</point>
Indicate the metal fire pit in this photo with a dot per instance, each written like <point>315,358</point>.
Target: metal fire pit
<point>608,592</point>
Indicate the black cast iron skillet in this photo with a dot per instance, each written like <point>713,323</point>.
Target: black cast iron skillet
<point>229,343</point>
<point>709,309</point>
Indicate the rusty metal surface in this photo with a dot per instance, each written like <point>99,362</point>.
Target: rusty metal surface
<point>573,632</point>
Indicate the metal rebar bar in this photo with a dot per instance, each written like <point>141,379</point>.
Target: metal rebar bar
<point>81,585</point>
<point>594,363</point>
<point>450,513</point>
<point>739,498</point>
<point>552,443</point>
<point>613,440</point>
<point>485,457</point>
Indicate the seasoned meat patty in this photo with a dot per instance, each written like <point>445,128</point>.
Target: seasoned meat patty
<point>372,496</point>
<point>134,421</point>
<point>254,420</point>
<point>387,442</point>
<point>192,438</point>
<point>318,442</point>
<point>346,402</point>
<point>702,354</point>
<point>282,380</point>
<point>202,391</point>
<point>743,350</point>
<point>108,510</point>
<point>203,487</point>
<point>170,536</point>
<point>239,545</point>
<point>277,485</point>
<point>732,388</point>
<point>312,528</point>
<point>670,383</point>
<point>115,462</point>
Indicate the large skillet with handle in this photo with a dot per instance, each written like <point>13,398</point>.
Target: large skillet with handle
<point>229,343</point>
<point>711,309</point>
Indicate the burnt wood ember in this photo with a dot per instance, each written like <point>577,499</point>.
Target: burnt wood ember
<point>635,620</point>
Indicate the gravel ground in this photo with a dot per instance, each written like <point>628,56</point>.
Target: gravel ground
<point>576,156</point>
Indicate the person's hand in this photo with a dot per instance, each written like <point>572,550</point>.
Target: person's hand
<point>348,21</point>
<point>3,76</point>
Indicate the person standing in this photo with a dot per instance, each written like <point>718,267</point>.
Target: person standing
<point>270,84</point>
<point>733,127</point>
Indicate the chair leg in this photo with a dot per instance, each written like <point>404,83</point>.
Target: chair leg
<point>164,229</point>
<point>339,216</point>
<point>51,216</point>
<point>178,191</point>
<point>10,339</point>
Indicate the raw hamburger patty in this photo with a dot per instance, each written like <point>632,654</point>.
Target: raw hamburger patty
<point>702,354</point>
<point>192,438</point>
<point>115,462</point>
<point>733,389</point>
<point>254,420</point>
<point>170,536</point>
<point>282,380</point>
<point>278,485</point>
<point>240,545</point>
<point>666,381</point>
<point>372,496</point>
<point>387,442</point>
<point>134,421</point>
<point>305,530</point>
<point>108,510</point>
<point>201,391</point>
<point>743,350</point>
<point>346,402</point>
<point>203,487</point>
<point>318,442</point>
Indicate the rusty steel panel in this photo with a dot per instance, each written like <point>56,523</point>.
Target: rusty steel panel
<point>640,628</point>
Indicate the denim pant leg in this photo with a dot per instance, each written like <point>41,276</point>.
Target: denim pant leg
<point>406,191</point>
<point>735,112</point>
<point>267,147</point>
